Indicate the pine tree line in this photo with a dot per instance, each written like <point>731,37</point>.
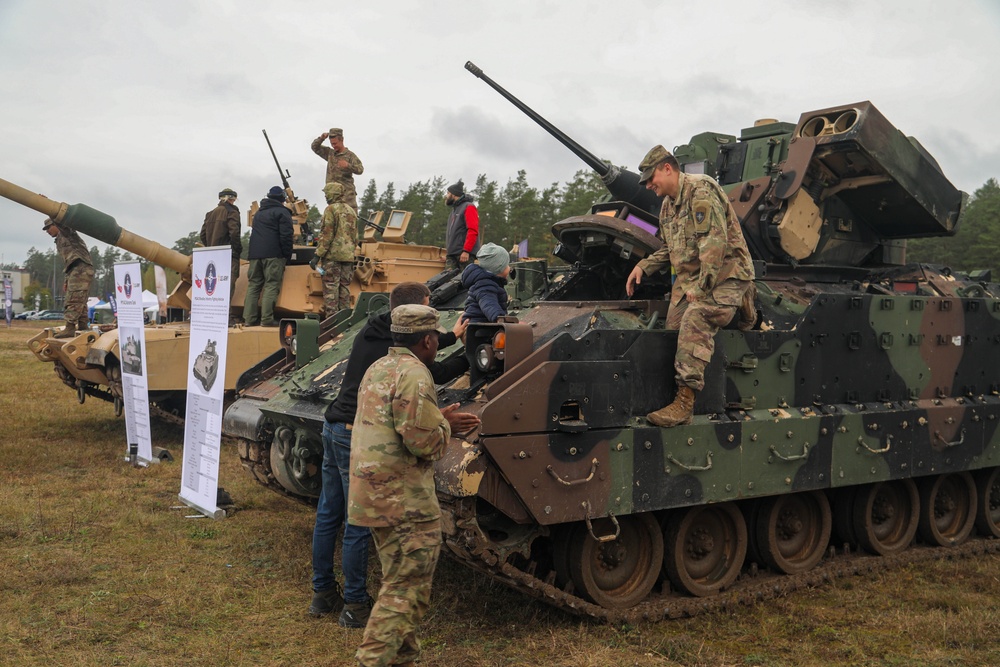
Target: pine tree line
<point>517,211</point>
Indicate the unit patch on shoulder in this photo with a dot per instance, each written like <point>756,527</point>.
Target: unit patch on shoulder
<point>701,217</point>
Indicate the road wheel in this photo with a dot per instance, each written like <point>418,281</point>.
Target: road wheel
<point>618,573</point>
<point>947,508</point>
<point>705,548</point>
<point>793,530</point>
<point>885,516</point>
<point>988,501</point>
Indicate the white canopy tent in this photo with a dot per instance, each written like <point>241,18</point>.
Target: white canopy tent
<point>150,304</point>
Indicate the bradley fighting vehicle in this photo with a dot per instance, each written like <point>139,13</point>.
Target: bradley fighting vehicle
<point>860,413</point>
<point>91,362</point>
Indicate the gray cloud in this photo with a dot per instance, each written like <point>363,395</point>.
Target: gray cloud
<point>147,110</point>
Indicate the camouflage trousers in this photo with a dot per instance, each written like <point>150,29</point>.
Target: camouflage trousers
<point>696,324</point>
<point>350,194</point>
<point>78,280</point>
<point>336,286</point>
<point>408,553</point>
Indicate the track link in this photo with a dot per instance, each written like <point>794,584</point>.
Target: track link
<point>753,585</point>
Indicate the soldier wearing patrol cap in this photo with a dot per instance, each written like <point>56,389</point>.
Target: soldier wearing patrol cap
<point>398,434</point>
<point>79,274</point>
<point>341,163</point>
<point>704,243</point>
<point>222,227</point>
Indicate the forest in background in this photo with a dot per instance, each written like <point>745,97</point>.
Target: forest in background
<point>511,213</point>
<point>508,214</point>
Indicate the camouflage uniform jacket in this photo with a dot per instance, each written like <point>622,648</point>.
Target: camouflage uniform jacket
<point>398,434</point>
<point>222,227</point>
<point>334,174</point>
<point>702,239</point>
<point>72,248</point>
<point>337,237</point>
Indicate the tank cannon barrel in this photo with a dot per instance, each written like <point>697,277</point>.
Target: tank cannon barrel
<point>621,183</point>
<point>98,225</point>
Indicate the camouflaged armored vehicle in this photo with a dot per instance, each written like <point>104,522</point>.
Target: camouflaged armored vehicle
<point>91,362</point>
<point>859,415</point>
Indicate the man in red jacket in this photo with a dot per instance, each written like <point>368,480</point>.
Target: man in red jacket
<point>462,236</point>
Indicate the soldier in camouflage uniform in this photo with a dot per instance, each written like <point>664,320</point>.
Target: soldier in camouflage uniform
<point>79,275</point>
<point>222,227</point>
<point>704,243</point>
<point>398,433</point>
<point>341,163</point>
<point>335,250</point>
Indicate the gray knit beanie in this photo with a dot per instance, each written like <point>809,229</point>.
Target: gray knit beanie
<point>493,258</point>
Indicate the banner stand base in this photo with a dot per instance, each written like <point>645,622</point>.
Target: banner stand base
<point>217,514</point>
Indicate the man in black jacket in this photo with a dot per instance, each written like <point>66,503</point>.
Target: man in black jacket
<point>371,344</point>
<point>270,249</point>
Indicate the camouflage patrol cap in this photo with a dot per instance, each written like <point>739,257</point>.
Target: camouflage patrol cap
<point>656,156</point>
<point>335,132</point>
<point>415,318</point>
<point>48,223</point>
<point>228,192</point>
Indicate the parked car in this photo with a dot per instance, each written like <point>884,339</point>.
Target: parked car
<point>25,315</point>
<point>38,314</point>
<point>50,315</point>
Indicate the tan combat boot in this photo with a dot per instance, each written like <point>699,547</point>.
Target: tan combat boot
<point>679,412</point>
<point>67,331</point>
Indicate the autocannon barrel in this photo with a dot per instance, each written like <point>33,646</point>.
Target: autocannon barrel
<point>97,225</point>
<point>621,183</point>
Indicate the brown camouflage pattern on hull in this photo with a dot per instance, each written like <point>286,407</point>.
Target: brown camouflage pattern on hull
<point>845,390</point>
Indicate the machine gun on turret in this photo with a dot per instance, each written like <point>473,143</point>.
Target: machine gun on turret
<point>283,174</point>
<point>299,207</point>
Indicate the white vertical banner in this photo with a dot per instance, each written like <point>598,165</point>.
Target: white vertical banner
<point>160,278</point>
<point>206,379</point>
<point>132,353</point>
<point>8,300</point>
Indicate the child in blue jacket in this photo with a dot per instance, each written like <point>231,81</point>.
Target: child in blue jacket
<point>486,283</point>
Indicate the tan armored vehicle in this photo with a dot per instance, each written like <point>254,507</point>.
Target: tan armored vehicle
<point>91,362</point>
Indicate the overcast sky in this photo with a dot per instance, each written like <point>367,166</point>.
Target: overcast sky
<point>145,110</point>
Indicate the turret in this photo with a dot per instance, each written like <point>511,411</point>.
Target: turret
<point>842,187</point>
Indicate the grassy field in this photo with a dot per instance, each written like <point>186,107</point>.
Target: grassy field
<point>97,567</point>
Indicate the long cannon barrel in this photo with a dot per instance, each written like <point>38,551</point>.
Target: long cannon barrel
<point>621,183</point>
<point>98,225</point>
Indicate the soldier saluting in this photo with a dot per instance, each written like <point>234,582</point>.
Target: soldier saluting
<point>703,241</point>
<point>341,163</point>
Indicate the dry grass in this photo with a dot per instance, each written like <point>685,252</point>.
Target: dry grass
<point>97,568</point>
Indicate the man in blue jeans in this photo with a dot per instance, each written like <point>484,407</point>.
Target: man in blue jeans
<point>372,343</point>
